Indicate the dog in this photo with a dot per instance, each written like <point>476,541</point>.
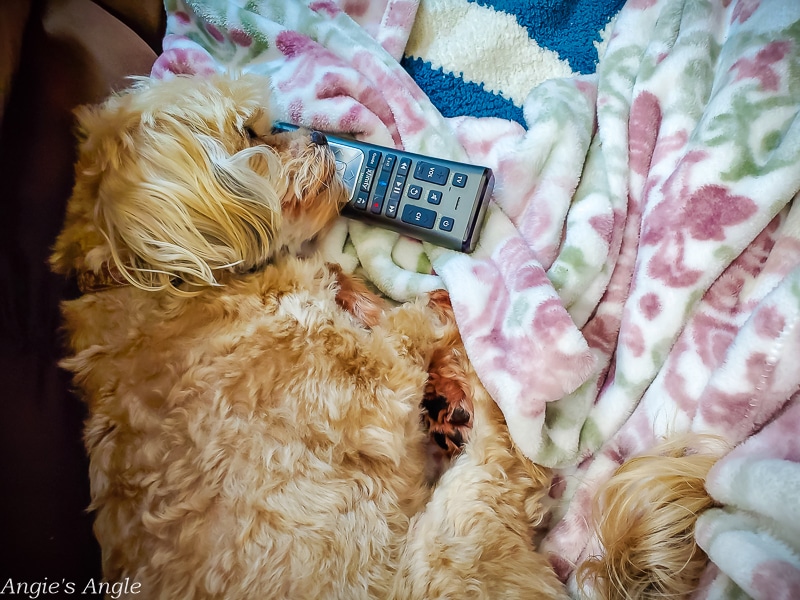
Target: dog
<point>260,423</point>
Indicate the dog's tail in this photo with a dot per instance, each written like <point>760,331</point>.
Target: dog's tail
<point>645,517</point>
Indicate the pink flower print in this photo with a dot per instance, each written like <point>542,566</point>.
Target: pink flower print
<point>676,383</point>
<point>761,67</point>
<point>701,214</point>
<point>650,305</point>
<point>758,252</point>
<point>240,38</point>
<point>601,333</point>
<point>665,216</point>
<point>776,579</point>
<point>183,61</point>
<point>723,295</point>
<point>215,33</point>
<point>632,336</point>
<point>587,88</point>
<point>295,110</point>
<point>293,44</point>
<point>744,9</point>
<point>346,86</point>
<point>401,14</point>
<point>669,264</point>
<point>352,119</point>
<point>670,144</point>
<point>645,121</point>
<point>400,92</point>
<point>312,61</point>
<point>712,337</point>
<point>725,411</point>
<point>525,349</point>
<point>551,321</point>
<point>325,6</point>
<point>603,225</point>
<point>355,8</point>
<point>712,208</point>
<point>769,323</point>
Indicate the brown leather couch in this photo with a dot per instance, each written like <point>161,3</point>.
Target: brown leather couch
<point>54,55</point>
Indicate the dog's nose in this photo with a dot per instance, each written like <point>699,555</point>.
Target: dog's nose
<point>318,138</point>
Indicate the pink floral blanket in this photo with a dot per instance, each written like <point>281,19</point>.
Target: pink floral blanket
<point>639,270</point>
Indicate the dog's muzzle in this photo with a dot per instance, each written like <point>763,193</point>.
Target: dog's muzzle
<point>318,138</point>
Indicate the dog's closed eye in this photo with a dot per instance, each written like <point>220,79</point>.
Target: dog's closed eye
<point>257,124</point>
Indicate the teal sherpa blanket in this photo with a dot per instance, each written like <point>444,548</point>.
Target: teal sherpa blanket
<point>639,271</point>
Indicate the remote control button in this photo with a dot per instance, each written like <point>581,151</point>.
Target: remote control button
<point>398,185</point>
<point>459,179</point>
<point>374,159</point>
<point>404,167</point>
<point>434,197</point>
<point>349,180</point>
<point>348,164</point>
<point>416,215</point>
<point>388,162</point>
<point>383,183</point>
<point>383,180</point>
<point>446,224</point>
<point>414,192</point>
<point>377,205</point>
<point>361,201</point>
<point>391,207</point>
<point>431,173</point>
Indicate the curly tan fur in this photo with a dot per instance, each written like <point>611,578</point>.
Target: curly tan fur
<point>474,539</point>
<point>254,426</point>
<point>645,518</point>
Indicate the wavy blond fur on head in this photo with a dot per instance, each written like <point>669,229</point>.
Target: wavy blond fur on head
<point>174,184</point>
<point>646,517</point>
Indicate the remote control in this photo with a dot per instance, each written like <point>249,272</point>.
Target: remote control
<point>438,201</point>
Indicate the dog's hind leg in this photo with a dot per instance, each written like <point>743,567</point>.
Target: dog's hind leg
<point>474,539</point>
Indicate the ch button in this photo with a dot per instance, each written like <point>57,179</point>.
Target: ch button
<point>416,215</point>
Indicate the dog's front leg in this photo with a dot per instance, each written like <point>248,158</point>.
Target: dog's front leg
<point>353,296</point>
<point>474,538</point>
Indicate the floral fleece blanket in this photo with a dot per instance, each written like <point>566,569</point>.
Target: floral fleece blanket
<point>639,270</point>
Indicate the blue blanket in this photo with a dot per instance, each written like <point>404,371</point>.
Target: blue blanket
<point>559,37</point>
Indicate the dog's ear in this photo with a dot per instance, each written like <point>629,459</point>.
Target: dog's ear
<point>169,187</point>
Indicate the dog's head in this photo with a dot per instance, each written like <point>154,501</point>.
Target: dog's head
<point>179,181</point>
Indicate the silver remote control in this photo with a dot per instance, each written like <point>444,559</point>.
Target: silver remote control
<point>438,201</point>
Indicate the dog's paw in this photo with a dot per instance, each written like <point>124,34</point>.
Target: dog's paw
<point>448,423</point>
<point>446,406</point>
<point>439,302</point>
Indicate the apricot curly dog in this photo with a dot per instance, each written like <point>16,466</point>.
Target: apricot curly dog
<point>254,424</point>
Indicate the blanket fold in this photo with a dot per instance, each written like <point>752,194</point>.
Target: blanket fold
<point>637,275</point>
